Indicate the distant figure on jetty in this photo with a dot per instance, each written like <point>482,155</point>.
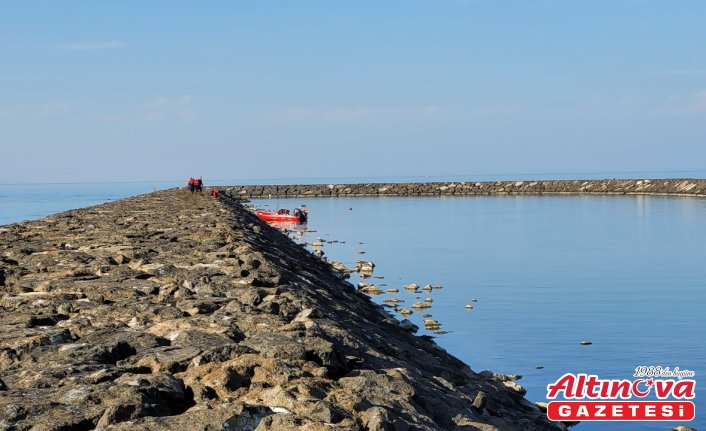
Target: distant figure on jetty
<point>194,185</point>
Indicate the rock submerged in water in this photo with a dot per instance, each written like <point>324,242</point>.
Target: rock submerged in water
<point>411,287</point>
<point>405,312</point>
<point>367,267</point>
<point>208,323</point>
<point>393,300</point>
<point>372,290</point>
<point>339,266</point>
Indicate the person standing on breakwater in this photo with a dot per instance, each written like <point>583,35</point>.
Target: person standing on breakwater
<point>194,185</point>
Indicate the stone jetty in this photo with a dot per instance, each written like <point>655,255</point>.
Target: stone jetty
<point>670,187</point>
<point>178,311</point>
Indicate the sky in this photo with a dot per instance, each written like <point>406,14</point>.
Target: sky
<point>136,90</point>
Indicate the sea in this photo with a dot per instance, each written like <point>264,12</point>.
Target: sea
<point>542,273</point>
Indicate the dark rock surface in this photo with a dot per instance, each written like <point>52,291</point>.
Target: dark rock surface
<point>173,311</point>
<point>674,187</point>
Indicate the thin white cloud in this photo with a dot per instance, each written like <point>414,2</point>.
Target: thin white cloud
<point>681,105</point>
<point>351,115</point>
<point>41,111</point>
<point>679,72</point>
<point>90,46</point>
<point>10,112</point>
<point>163,108</point>
<point>458,2</point>
<point>675,105</point>
<point>617,106</point>
<point>305,116</point>
<point>696,103</point>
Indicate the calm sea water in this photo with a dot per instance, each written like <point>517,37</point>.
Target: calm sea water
<point>31,201</point>
<point>626,273</point>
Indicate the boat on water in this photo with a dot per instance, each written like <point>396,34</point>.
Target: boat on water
<point>299,215</point>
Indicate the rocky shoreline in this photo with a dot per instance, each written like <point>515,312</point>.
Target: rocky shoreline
<point>175,311</point>
<point>668,187</point>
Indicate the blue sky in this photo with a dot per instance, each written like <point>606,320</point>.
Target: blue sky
<point>161,90</point>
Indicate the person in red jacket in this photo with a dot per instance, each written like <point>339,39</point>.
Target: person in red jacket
<point>191,184</point>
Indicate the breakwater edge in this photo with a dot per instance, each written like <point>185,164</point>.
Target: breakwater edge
<point>180,311</point>
<point>666,187</point>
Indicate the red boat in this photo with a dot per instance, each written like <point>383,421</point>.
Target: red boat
<point>282,215</point>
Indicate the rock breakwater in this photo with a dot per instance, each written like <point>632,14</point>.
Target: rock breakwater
<point>173,311</point>
<point>673,187</point>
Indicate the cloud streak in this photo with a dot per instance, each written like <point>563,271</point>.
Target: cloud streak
<point>678,105</point>
<point>41,111</point>
<point>351,115</point>
<point>679,72</point>
<point>90,46</point>
<point>334,116</point>
<point>696,104</point>
<point>164,108</point>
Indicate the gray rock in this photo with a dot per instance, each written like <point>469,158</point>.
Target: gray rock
<point>480,401</point>
<point>408,326</point>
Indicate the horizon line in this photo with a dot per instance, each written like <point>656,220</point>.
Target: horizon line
<point>358,177</point>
